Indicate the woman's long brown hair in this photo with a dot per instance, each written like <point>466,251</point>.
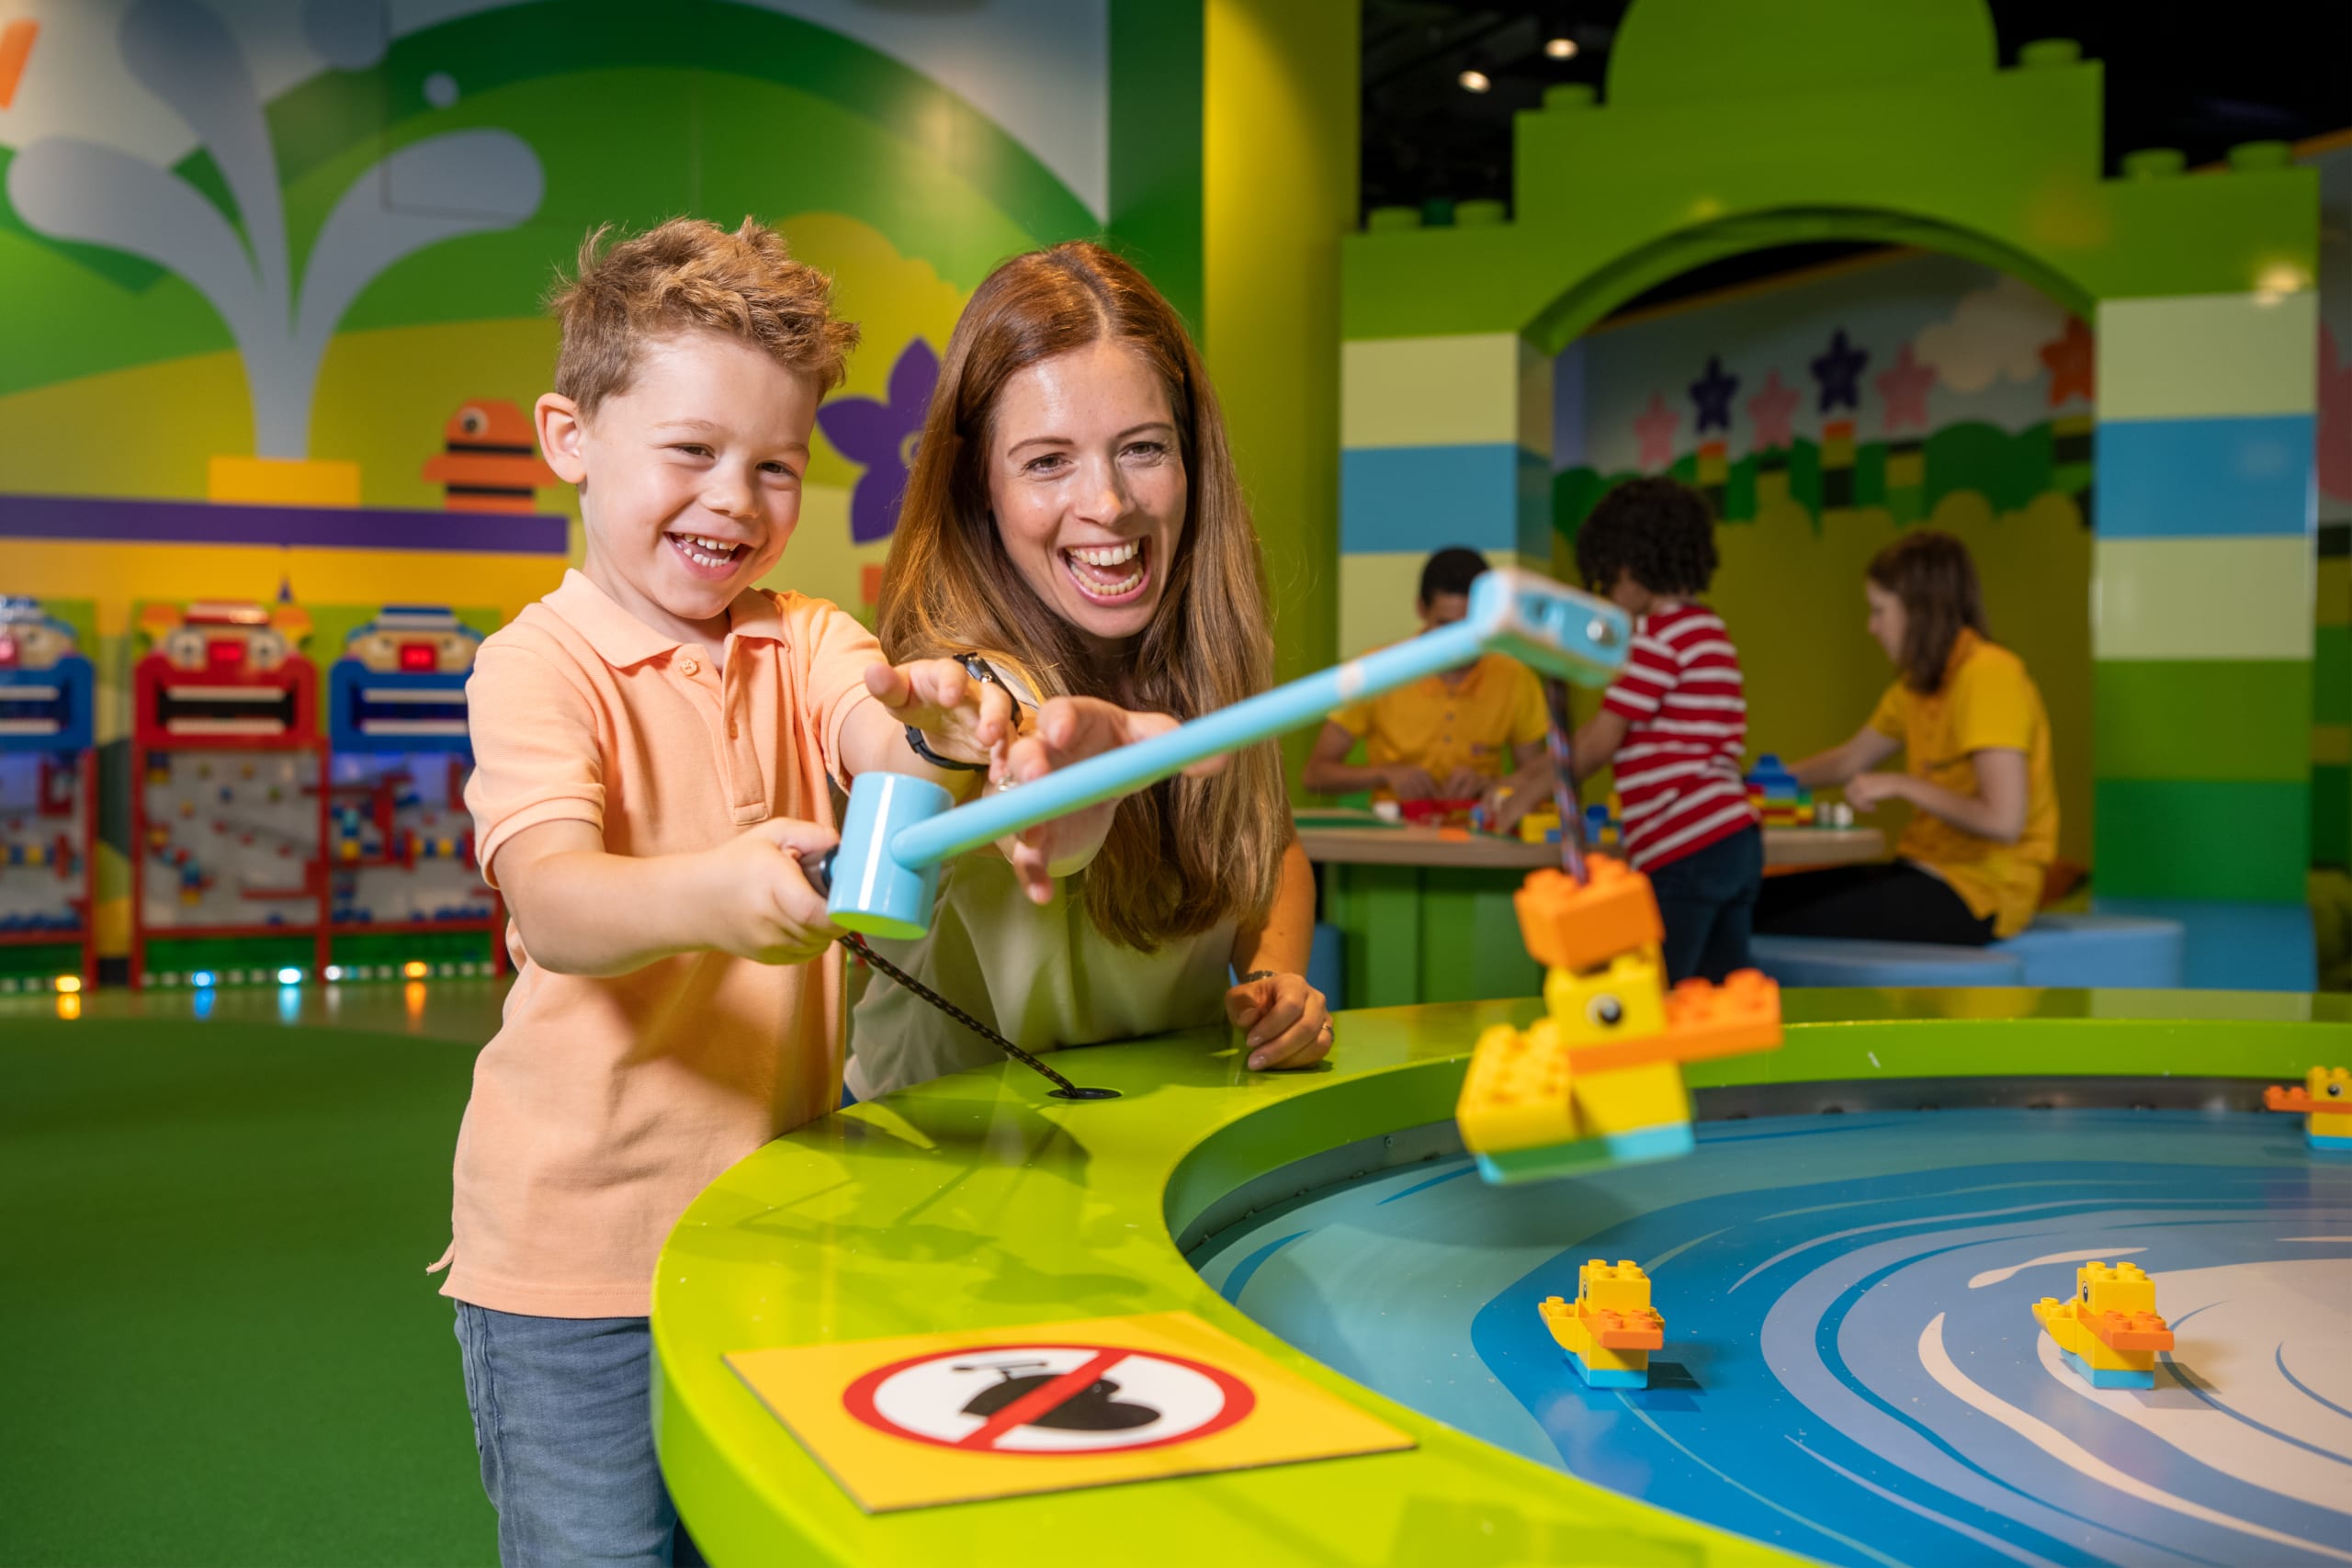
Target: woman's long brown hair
<point>1931,573</point>
<point>1187,853</point>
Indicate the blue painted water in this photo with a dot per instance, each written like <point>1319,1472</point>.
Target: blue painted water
<point>1852,1369</point>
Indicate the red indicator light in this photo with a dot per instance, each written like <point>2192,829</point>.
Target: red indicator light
<point>417,658</point>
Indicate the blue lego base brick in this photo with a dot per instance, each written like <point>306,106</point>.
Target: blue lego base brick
<point>2114,1377</point>
<point>1608,1377</point>
<point>1585,1153</point>
<point>2332,1146</point>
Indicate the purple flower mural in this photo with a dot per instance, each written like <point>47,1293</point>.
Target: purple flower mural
<point>879,434</point>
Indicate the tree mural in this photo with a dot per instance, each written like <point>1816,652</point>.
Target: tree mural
<point>71,189</point>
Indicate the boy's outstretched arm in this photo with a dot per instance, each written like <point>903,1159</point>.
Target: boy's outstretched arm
<point>1596,742</point>
<point>583,910</point>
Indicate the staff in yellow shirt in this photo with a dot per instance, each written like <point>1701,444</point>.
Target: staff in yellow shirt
<point>1977,765</point>
<point>1451,736</point>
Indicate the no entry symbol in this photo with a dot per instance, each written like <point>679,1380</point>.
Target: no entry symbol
<point>1048,1399</point>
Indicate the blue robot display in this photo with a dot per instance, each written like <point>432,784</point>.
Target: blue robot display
<point>401,683</point>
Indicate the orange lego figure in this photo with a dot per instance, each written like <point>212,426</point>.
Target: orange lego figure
<point>2324,1100</point>
<point>1600,1077</point>
<point>490,460</point>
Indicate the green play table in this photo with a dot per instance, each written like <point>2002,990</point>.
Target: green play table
<point>976,1203</point>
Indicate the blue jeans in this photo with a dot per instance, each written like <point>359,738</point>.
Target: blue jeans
<point>563,1411</point>
<point>1708,901</point>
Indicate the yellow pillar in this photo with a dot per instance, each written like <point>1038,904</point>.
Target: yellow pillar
<point>1280,188</point>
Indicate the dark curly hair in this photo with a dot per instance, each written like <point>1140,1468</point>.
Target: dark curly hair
<point>1658,529</point>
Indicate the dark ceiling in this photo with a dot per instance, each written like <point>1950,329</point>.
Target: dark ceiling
<point>2199,77</point>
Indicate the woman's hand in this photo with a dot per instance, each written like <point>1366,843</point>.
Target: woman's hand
<point>1070,729</point>
<point>1287,1021</point>
<point>969,720</point>
<point>1868,792</point>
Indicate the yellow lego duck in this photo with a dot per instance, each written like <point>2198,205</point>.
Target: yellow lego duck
<point>1599,1079</point>
<point>2108,1329</point>
<point>1611,1329</point>
<point>2324,1100</point>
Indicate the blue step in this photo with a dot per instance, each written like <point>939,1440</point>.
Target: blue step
<point>2112,951</point>
<point>1842,961</point>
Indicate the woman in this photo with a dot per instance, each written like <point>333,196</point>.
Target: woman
<point>1976,758</point>
<point>1073,517</point>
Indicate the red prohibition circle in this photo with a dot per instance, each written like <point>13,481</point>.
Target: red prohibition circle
<point>858,1400</point>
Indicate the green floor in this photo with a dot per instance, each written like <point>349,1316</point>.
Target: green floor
<point>219,1344</point>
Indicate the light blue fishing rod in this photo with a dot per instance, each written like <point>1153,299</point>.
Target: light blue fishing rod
<point>899,828</point>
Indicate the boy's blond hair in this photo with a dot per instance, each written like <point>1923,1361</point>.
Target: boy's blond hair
<point>684,275</point>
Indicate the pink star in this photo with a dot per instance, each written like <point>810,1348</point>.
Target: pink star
<point>2334,417</point>
<point>1769,411</point>
<point>1904,387</point>
<point>1656,426</point>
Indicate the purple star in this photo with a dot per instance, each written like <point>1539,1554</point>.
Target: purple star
<point>879,434</point>
<point>1839,371</point>
<point>1713,393</point>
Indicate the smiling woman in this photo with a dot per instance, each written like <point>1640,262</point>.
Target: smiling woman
<point>1074,517</point>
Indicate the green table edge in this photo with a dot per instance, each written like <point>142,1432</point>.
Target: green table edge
<point>976,1202</point>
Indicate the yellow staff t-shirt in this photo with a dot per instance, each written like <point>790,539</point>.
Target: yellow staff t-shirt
<point>1987,700</point>
<point>1438,726</point>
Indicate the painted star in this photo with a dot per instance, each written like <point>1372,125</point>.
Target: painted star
<point>1905,385</point>
<point>1839,371</point>
<point>2069,359</point>
<point>1656,427</point>
<point>1771,410</point>
<point>1713,393</point>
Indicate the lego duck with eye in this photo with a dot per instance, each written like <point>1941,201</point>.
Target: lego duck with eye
<point>2324,1100</point>
<point>1598,1078</point>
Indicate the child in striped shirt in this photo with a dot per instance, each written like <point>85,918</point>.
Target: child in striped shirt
<point>1674,724</point>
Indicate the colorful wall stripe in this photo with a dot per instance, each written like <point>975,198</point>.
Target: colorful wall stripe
<point>2331,710</point>
<point>1445,440</point>
<point>2203,602</point>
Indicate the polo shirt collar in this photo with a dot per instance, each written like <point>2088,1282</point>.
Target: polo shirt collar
<point>621,639</point>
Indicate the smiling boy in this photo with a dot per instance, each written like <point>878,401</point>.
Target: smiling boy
<point>653,742</point>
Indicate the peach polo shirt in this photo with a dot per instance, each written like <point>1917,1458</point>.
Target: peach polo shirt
<point>604,1105</point>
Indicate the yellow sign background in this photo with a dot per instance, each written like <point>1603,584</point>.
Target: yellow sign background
<point>1292,1419</point>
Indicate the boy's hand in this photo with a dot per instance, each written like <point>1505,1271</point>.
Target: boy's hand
<point>761,903</point>
<point>1287,1021</point>
<point>1465,784</point>
<point>1408,783</point>
<point>969,720</point>
<point>1070,729</point>
<point>1868,792</point>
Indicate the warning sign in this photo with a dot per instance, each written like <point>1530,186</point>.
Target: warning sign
<point>942,1418</point>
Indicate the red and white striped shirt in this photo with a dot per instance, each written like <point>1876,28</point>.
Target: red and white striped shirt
<point>1678,772</point>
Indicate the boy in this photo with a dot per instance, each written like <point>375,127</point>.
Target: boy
<point>1446,736</point>
<point>653,741</point>
<point>1674,724</point>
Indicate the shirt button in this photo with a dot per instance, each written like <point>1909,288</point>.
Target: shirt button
<point>689,667</point>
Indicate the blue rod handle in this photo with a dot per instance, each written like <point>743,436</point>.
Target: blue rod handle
<point>1558,630</point>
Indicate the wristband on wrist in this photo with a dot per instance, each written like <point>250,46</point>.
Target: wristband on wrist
<point>1255,974</point>
<point>981,670</point>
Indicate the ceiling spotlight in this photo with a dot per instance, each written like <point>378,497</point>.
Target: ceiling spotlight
<point>1473,81</point>
<point>1561,49</point>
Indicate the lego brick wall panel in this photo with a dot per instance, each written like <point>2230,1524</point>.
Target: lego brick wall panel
<point>2197,599</point>
<point>1420,497</point>
<point>2201,839</point>
<point>2202,354</point>
<point>1432,391</point>
<point>2227,718</point>
<point>2202,477</point>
